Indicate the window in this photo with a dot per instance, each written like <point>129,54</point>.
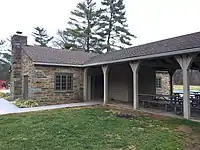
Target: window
<point>158,82</point>
<point>64,81</point>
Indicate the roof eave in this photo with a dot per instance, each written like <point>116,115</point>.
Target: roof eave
<point>56,64</point>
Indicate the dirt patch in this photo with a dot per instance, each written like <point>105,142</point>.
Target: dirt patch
<point>158,117</point>
<point>184,128</point>
<point>192,142</point>
<point>125,116</point>
<point>127,112</point>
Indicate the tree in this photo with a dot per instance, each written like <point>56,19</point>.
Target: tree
<point>81,32</point>
<point>5,54</point>
<point>41,36</point>
<point>112,25</point>
<point>5,60</point>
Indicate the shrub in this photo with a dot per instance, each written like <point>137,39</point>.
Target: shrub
<point>8,98</point>
<point>3,95</point>
<point>26,103</point>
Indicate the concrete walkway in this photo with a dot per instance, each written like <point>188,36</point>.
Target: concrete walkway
<point>9,108</point>
<point>6,107</point>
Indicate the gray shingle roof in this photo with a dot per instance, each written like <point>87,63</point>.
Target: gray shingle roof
<point>173,44</point>
<point>56,56</point>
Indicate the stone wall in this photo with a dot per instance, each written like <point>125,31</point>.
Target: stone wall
<point>42,87</point>
<point>28,69</point>
<point>165,86</point>
<point>16,67</point>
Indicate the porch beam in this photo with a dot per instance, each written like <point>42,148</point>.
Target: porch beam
<point>185,62</point>
<point>105,70</point>
<point>135,67</point>
<point>85,84</point>
<point>159,64</point>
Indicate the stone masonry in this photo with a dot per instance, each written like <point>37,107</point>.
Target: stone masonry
<point>165,86</point>
<point>43,88</point>
<point>16,74</point>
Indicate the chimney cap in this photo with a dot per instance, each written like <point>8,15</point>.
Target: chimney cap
<point>19,32</point>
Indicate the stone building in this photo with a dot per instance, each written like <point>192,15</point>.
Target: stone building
<point>36,75</point>
<point>56,76</point>
<point>39,73</point>
<point>60,76</point>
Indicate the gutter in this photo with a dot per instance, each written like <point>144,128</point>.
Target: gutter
<point>55,64</point>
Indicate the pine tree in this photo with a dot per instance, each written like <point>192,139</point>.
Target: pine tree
<point>41,36</point>
<point>82,27</point>
<point>5,60</point>
<point>5,54</point>
<point>113,27</point>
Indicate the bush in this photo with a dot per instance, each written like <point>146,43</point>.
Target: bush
<point>26,103</point>
<point>8,98</point>
<point>2,95</point>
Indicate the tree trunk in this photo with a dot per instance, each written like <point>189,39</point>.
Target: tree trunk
<point>110,29</point>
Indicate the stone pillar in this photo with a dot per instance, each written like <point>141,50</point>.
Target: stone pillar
<point>105,70</point>
<point>85,84</point>
<point>17,42</point>
<point>185,62</point>
<point>135,68</point>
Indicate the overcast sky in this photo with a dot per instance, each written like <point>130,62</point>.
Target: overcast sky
<point>149,20</point>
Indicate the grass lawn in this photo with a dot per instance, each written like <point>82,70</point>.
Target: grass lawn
<point>97,129</point>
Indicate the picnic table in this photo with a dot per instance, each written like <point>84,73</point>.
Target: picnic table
<point>170,103</point>
<point>148,99</point>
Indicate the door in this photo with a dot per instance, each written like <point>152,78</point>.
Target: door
<point>26,87</point>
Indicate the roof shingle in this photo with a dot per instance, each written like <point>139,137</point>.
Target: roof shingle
<point>57,56</point>
<point>168,45</point>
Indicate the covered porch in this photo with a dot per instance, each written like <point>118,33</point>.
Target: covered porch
<point>133,83</point>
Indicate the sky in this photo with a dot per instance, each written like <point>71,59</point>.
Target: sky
<point>149,20</point>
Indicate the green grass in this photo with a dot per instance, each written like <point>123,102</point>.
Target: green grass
<point>98,129</point>
<point>192,87</point>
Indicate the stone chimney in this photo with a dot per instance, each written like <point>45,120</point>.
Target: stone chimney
<point>17,41</point>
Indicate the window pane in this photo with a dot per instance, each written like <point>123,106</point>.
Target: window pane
<point>158,82</point>
<point>69,82</point>
<point>64,82</point>
<point>57,82</point>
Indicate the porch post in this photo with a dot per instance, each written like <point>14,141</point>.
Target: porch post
<point>185,62</point>
<point>171,72</point>
<point>89,87</point>
<point>135,67</point>
<point>105,70</point>
<point>85,84</point>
